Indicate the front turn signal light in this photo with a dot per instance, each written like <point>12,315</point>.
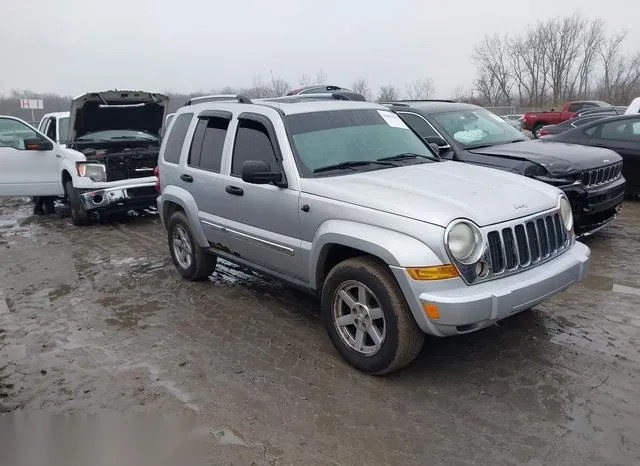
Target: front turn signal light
<point>434,272</point>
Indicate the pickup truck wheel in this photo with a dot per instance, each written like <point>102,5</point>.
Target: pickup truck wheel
<point>536,130</point>
<point>79,215</point>
<point>367,317</point>
<point>193,262</point>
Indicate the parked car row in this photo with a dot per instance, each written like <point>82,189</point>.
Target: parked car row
<point>406,218</point>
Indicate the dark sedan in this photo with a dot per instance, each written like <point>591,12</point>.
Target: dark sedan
<point>620,134</point>
<point>471,134</point>
<point>550,130</point>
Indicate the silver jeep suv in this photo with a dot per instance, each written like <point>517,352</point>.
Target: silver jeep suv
<point>344,200</point>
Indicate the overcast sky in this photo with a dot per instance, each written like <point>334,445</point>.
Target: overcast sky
<point>73,46</point>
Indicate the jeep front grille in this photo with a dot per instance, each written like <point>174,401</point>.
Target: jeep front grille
<point>603,175</point>
<point>525,244</point>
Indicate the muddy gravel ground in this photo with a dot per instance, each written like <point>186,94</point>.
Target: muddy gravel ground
<point>97,320</point>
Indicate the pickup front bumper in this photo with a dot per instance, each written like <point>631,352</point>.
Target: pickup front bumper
<point>128,197</point>
<point>467,308</point>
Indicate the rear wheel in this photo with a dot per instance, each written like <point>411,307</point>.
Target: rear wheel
<point>79,215</point>
<point>536,130</point>
<point>367,317</point>
<point>192,261</point>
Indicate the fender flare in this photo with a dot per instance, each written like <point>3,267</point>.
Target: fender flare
<point>185,200</point>
<point>392,247</point>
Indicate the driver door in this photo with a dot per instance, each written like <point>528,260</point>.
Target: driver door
<point>28,160</point>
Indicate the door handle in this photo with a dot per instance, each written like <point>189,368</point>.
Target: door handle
<point>187,178</point>
<point>234,190</point>
<point>58,156</point>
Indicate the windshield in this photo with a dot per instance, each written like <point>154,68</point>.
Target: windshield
<point>323,139</point>
<point>63,129</point>
<point>477,127</point>
<point>118,134</point>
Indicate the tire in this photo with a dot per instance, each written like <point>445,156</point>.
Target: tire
<point>79,215</point>
<point>192,261</point>
<point>401,338</point>
<point>537,128</point>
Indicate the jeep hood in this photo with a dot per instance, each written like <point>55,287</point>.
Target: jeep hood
<point>109,110</point>
<point>439,192</point>
<point>558,158</point>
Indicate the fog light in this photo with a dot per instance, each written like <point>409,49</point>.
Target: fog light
<point>482,269</point>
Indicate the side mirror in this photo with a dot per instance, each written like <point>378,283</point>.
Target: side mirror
<point>435,147</point>
<point>38,144</point>
<point>438,141</point>
<point>259,172</point>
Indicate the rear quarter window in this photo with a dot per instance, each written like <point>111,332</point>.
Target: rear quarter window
<point>175,139</point>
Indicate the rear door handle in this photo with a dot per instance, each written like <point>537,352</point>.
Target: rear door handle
<point>234,190</point>
<point>187,178</point>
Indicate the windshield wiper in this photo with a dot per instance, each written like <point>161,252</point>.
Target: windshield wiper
<point>353,164</point>
<point>405,156</point>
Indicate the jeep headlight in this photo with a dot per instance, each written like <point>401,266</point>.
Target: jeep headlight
<point>464,241</point>
<point>95,171</point>
<point>565,213</point>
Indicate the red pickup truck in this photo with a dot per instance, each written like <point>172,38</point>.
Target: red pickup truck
<point>534,121</point>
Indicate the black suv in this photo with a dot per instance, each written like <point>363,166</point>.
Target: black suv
<point>590,177</point>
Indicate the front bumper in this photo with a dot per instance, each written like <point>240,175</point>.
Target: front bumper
<point>465,308</point>
<point>595,208</point>
<point>127,197</point>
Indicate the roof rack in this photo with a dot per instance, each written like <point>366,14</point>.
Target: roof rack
<point>424,100</point>
<point>337,95</point>
<point>219,98</point>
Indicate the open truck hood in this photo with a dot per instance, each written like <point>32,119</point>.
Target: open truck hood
<point>109,110</point>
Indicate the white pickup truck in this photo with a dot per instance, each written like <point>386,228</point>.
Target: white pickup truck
<point>55,126</point>
<point>108,164</point>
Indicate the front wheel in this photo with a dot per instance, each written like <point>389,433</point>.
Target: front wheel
<point>79,215</point>
<point>192,261</point>
<point>367,317</point>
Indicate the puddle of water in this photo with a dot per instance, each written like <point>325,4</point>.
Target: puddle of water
<point>625,289</point>
<point>129,315</point>
<point>12,353</point>
<point>600,283</point>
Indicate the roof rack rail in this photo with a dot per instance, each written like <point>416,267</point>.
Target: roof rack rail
<point>337,95</point>
<point>425,100</point>
<point>219,98</point>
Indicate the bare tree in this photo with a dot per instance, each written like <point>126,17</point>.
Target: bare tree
<point>308,80</point>
<point>361,86</point>
<point>621,75</point>
<point>489,89</point>
<point>492,57</point>
<point>422,88</point>
<point>388,94</point>
<point>278,86</point>
<point>553,61</point>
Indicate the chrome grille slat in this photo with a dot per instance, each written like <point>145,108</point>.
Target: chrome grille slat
<point>521,245</point>
<point>599,176</point>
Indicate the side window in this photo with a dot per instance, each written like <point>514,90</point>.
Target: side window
<point>252,143</point>
<point>173,148</point>
<point>13,133</point>
<point>622,130</point>
<point>316,90</point>
<point>419,124</point>
<point>208,142</point>
<point>43,124</point>
<point>574,107</point>
<point>51,130</point>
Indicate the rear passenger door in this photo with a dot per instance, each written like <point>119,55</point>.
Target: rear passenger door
<point>265,229</point>
<point>202,178</point>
